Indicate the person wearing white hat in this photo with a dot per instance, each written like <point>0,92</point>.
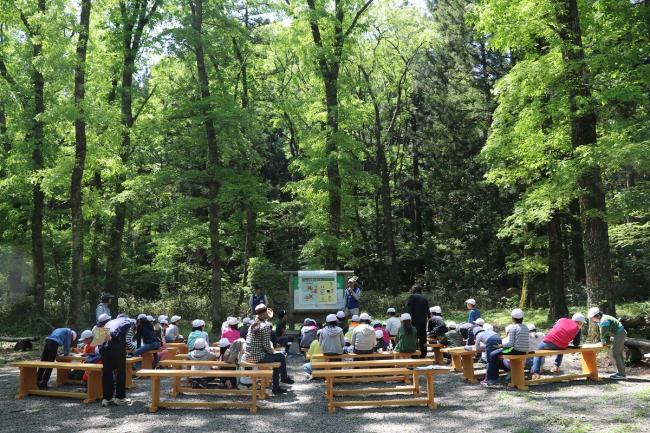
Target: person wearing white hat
<point>564,332</point>
<point>518,344</point>
<point>474,313</point>
<point>59,337</point>
<point>352,296</point>
<point>173,332</point>
<point>103,319</point>
<point>308,333</point>
<point>342,321</point>
<point>200,352</point>
<point>535,337</point>
<point>246,324</point>
<point>232,332</point>
<point>163,317</point>
<point>363,335</point>
<point>260,349</point>
<point>611,329</point>
<point>406,340</point>
<point>436,326</point>
<point>147,339</point>
<point>393,323</point>
<point>380,344</point>
<point>198,327</point>
<point>331,338</point>
<point>113,358</point>
<point>452,337</point>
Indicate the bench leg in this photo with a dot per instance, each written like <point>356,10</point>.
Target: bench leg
<point>62,375</point>
<point>176,384</point>
<point>589,365</point>
<point>330,395</point>
<point>27,381</point>
<point>455,362</point>
<point>155,394</point>
<point>431,392</point>
<point>468,368</point>
<point>95,390</point>
<point>416,384</point>
<point>440,360</point>
<point>253,408</point>
<point>147,360</point>
<point>129,377</point>
<point>517,378</point>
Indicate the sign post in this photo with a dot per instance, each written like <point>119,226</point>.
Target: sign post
<point>315,292</point>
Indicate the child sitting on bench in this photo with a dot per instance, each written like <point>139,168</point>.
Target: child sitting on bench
<point>406,340</point>
<point>198,327</point>
<point>200,353</point>
<point>518,344</point>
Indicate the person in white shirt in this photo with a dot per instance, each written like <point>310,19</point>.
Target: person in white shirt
<point>393,322</point>
<point>363,335</point>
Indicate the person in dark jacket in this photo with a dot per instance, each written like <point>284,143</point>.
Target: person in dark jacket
<point>418,307</point>
<point>146,337</point>
<point>257,297</point>
<point>113,353</point>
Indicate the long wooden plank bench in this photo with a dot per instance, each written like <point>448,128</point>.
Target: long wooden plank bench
<point>62,375</point>
<point>28,384</point>
<point>332,376</point>
<point>356,356</point>
<point>437,352</point>
<point>180,364</point>
<point>182,348</point>
<point>257,377</point>
<point>589,366</point>
<point>376,363</point>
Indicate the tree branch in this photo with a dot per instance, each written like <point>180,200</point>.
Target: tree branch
<point>137,113</point>
<point>360,12</point>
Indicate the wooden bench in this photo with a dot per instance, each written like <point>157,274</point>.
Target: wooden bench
<point>257,376</point>
<point>185,363</point>
<point>463,361</point>
<point>147,359</point>
<point>333,375</point>
<point>377,363</point>
<point>356,356</point>
<point>29,386</point>
<point>182,348</point>
<point>437,352</point>
<point>589,366</point>
<point>62,375</point>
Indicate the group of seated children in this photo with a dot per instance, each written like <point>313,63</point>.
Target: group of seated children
<point>363,336</point>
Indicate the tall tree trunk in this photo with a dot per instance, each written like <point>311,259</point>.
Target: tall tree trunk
<point>94,265</point>
<point>212,166</point>
<point>36,137</point>
<point>577,250</point>
<point>133,20</point>
<point>583,133</point>
<point>329,66</point>
<point>76,200</point>
<point>556,291</point>
<point>333,172</point>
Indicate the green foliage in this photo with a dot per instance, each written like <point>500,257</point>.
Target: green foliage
<point>274,283</point>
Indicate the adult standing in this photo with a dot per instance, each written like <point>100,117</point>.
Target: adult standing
<point>260,349</point>
<point>418,307</point>
<point>113,353</point>
<point>611,329</point>
<point>352,297</point>
<point>258,297</point>
<point>104,306</point>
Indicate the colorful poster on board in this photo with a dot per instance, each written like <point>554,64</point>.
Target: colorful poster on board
<point>318,290</point>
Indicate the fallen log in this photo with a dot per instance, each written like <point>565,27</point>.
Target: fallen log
<point>17,339</point>
<point>637,347</point>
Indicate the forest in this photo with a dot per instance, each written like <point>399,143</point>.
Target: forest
<point>181,151</point>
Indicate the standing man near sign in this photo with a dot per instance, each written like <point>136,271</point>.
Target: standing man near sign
<point>257,297</point>
<point>418,307</point>
<point>352,296</point>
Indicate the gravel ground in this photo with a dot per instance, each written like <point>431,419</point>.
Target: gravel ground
<point>569,407</point>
